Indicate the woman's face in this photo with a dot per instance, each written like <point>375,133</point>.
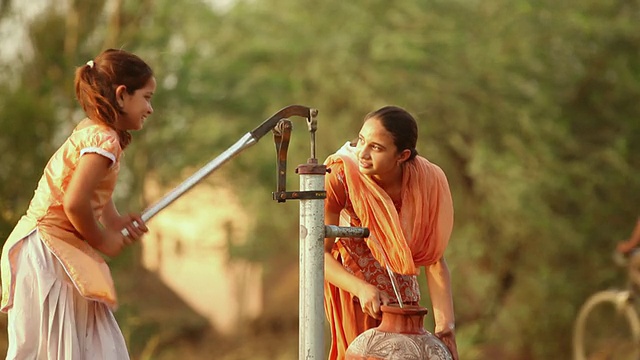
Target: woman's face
<point>377,154</point>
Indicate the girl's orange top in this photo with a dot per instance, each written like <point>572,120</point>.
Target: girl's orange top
<point>84,265</point>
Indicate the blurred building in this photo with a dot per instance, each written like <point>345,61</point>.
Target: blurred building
<point>188,248</point>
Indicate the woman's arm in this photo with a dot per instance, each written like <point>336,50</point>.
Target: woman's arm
<point>439,281</point>
<point>368,294</point>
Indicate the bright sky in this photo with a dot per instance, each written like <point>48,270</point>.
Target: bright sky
<point>13,36</point>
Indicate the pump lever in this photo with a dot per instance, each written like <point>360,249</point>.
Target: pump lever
<point>247,140</point>
<point>284,113</point>
<point>281,136</point>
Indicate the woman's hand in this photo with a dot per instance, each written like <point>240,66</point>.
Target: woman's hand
<point>448,337</point>
<point>370,300</point>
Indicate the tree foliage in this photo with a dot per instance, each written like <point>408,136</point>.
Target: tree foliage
<point>530,108</point>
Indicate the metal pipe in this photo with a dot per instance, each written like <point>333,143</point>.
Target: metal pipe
<point>245,141</point>
<point>333,231</point>
<point>311,292</point>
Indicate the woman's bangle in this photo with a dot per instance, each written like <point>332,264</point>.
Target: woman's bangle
<point>448,329</point>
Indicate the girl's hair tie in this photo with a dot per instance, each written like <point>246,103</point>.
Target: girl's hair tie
<point>90,63</point>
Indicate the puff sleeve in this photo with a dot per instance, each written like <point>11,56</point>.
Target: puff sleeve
<point>103,143</point>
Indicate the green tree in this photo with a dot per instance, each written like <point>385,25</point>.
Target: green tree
<point>530,108</point>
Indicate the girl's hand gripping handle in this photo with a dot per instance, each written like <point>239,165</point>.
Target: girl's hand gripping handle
<point>134,228</point>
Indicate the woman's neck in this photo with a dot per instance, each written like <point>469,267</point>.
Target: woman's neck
<point>391,184</point>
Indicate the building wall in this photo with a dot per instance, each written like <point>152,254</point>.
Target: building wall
<point>187,246</point>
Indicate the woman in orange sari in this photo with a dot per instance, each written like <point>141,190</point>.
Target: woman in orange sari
<point>382,184</point>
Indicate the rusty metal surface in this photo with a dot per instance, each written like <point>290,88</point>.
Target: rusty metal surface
<point>281,137</point>
<point>311,169</point>
<point>284,113</point>
<point>333,231</point>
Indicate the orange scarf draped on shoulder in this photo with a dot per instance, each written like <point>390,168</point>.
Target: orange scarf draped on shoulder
<point>419,235</point>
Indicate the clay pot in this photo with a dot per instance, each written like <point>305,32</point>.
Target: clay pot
<point>400,336</point>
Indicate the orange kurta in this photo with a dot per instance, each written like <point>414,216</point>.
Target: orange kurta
<point>414,232</point>
<point>84,265</point>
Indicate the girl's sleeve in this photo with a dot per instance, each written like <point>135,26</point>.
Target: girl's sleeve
<point>336,189</point>
<point>102,143</point>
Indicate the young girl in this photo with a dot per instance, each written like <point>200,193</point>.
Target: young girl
<point>56,287</point>
<point>405,202</point>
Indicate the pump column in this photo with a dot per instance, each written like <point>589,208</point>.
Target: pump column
<point>311,292</point>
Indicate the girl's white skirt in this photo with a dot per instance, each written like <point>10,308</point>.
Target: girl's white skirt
<point>50,319</point>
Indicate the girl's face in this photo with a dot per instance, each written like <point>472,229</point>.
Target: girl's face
<point>377,154</point>
<point>137,106</point>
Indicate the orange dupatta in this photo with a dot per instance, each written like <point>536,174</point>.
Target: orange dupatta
<point>420,234</point>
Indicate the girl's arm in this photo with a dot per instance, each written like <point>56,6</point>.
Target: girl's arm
<point>439,281</point>
<point>91,169</point>
<point>110,215</point>
<point>368,294</point>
